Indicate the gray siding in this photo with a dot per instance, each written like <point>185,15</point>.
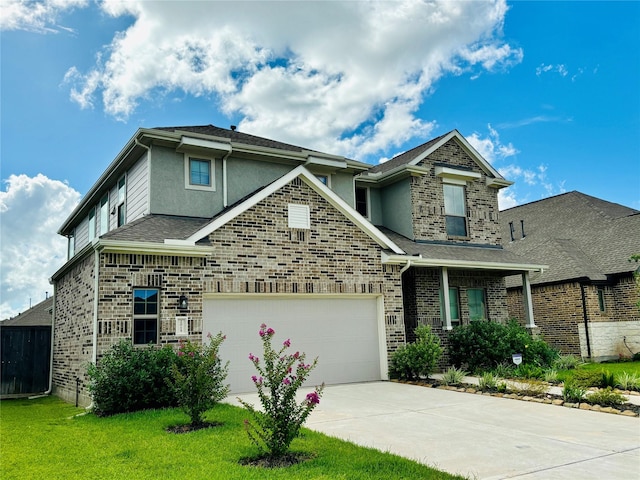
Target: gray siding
<point>396,211</point>
<point>246,176</point>
<point>168,194</point>
<point>342,184</point>
<point>138,190</point>
<point>375,206</point>
<point>82,234</point>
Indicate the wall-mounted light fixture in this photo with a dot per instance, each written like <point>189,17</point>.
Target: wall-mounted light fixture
<point>182,303</point>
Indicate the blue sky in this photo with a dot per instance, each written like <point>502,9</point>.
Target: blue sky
<point>546,91</point>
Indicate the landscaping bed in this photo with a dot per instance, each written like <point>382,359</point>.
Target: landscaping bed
<point>626,409</point>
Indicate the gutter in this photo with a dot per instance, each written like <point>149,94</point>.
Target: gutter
<point>419,261</point>
<point>225,201</point>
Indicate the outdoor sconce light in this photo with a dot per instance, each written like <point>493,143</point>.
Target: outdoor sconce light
<point>182,303</point>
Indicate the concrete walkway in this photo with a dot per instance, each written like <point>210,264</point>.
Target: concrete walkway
<point>480,436</point>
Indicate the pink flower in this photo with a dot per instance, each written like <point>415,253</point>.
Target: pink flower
<point>270,331</point>
<point>191,354</point>
<point>263,326</point>
<point>180,353</point>
<point>296,355</point>
<point>253,358</point>
<point>313,398</point>
<point>286,381</point>
<point>287,343</point>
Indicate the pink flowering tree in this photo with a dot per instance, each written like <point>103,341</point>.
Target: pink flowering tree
<point>198,377</point>
<point>280,375</point>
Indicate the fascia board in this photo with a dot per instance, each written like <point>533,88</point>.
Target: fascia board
<point>448,172</point>
<point>434,262</point>
<point>190,142</point>
<point>326,162</point>
<point>319,188</point>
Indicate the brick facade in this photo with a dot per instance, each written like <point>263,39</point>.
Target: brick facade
<point>422,300</point>
<point>560,315</point>
<point>427,199</point>
<point>256,252</point>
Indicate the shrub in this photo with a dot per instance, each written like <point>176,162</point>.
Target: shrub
<point>572,392</point>
<point>488,382</point>
<point>567,362</point>
<point>551,376</point>
<point>453,376</point>
<point>587,378</point>
<point>530,387</point>
<point>607,380</point>
<point>527,370</point>
<point>128,379</point>
<point>278,381</point>
<point>606,398</point>
<point>417,359</point>
<point>485,345</point>
<point>628,381</point>
<point>504,370</point>
<point>198,377</point>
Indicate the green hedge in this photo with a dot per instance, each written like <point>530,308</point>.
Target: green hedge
<point>483,345</point>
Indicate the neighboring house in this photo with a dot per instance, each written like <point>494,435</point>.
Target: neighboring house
<point>25,351</point>
<point>585,302</point>
<point>193,230</point>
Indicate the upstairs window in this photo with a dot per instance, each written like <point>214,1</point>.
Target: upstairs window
<point>92,224</point>
<point>145,316</point>
<point>71,246</point>
<point>104,214</point>
<point>362,201</point>
<point>122,188</point>
<point>198,173</point>
<point>455,210</point>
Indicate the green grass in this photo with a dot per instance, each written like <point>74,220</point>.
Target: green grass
<point>44,439</point>
<point>615,368</point>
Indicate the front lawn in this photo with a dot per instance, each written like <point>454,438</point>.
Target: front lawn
<point>44,439</point>
<point>615,368</point>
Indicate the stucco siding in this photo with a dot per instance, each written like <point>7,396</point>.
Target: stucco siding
<point>396,211</point>
<point>246,176</point>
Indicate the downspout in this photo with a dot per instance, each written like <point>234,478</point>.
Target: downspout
<point>96,285</point>
<point>225,202</point>
<point>586,320</point>
<point>53,329</point>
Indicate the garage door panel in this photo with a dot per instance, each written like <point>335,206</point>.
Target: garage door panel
<point>341,332</point>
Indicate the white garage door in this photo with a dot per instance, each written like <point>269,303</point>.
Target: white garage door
<point>343,332</point>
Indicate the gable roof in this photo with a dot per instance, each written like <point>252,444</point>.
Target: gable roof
<point>38,315</point>
<point>577,235</point>
<point>312,181</point>
<point>414,156</point>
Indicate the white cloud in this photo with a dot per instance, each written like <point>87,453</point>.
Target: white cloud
<point>32,209</point>
<point>490,147</point>
<point>37,16</point>
<point>347,77</point>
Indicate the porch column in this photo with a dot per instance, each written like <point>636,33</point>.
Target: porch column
<point>528,303</point>
<point>444,281</point>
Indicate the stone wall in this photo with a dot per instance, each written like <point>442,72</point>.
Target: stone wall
<point>611,340</point>
<point>427,200</point>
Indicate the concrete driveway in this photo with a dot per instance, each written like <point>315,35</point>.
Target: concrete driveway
<point>480,436</point>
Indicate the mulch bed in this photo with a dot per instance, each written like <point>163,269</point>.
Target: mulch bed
<point>268,461</point>
<point>547,398</point>
<point>186,428</point>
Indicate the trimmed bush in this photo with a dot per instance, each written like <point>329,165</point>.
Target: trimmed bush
<point>127,379</point>
<point>606,398</point>
<point>572,392</point>
<point>417,359</point>
<point>482,346</point>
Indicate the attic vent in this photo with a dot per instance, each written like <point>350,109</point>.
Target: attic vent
<point>299,216</point>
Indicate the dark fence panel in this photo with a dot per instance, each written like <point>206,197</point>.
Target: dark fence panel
<point>25,354</point>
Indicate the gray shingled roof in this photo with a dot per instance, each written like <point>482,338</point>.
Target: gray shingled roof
<point>38,315</point>
<point>469,253</point>
<point>235,136</point>
<point>406,157</point>
<point>577,235</point>
<point>156,228</point>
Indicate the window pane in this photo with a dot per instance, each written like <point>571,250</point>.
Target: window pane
<point>453,304</point>
<point>477,304</point>
<point>92,224</point>
<point>456,226</point>
<point>145,302</point>
<point>361,201</point>
<point>454,200</point>
<point>145,331</point>
<point>200,172</point>
<point>104,215</point>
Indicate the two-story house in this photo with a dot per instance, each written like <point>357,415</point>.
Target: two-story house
<point>192,230</point>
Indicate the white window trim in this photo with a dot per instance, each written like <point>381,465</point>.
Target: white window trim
<point>187,173</point>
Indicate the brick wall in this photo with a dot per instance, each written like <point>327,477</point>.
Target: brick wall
<point>73,330</point>
<point>255,252</point>
<point>558,311</point>
<point>423,308</point>
<point>427,199</point>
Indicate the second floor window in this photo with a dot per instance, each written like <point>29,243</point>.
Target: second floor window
<point>200,172</point>
<point>122,188</point>
<point>92,224</point>
<point>104,215</point>
<point>362,201</point>
<point>455,210</point>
